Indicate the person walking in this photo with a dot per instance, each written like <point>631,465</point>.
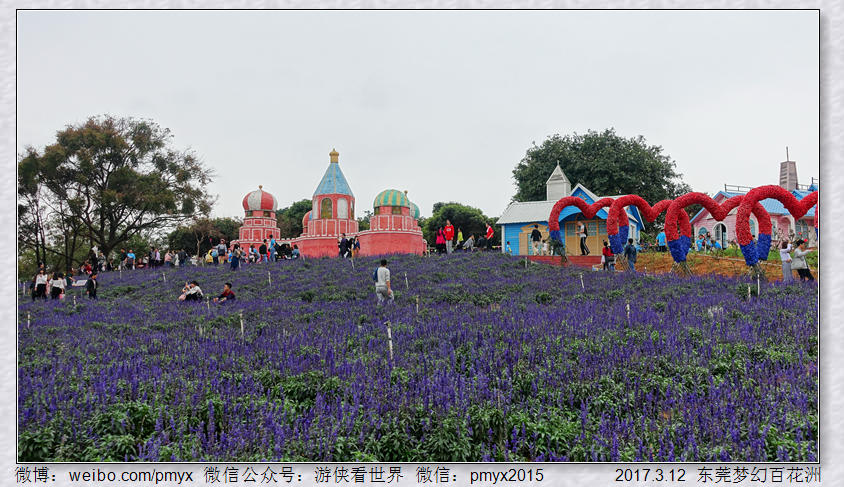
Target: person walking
<point>448,232</point>
<point>440,240</point>
<point>630,253</point>
<point>509,250</point>
<point>582,233</point>
<point>785,259</point>
<point>383,290</point>
<point>536,239</point>
<point>799,261</point>
<point>91,286</point>
<point>609,257</point>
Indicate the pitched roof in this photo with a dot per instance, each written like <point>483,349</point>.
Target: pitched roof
<point>557,175</point>
<point>333,182</point>
<point>539,211</point>
<point>772,206</point>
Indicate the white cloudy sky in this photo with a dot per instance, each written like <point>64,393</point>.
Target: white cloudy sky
<point>441,103</point>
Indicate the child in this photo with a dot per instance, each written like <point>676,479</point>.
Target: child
<point>92,285</point>
<point>227,295</point>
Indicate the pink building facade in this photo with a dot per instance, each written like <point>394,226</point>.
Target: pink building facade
<point>259,222</point>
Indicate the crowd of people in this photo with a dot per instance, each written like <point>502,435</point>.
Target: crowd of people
<point>446,243</point>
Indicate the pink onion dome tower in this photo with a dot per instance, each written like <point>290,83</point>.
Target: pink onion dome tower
<point>393,229</point>
<point>332,214</point>
<point>259,222</point>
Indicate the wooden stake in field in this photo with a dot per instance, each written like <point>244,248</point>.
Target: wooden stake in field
<point>526,260</point>
<point>241,324</point>
<point>74,301</point>
<point>269,279</point>
<point>627,305</point>
<point>757,285</point>
<point>164,276</point>
<point>406,284</point>
<point>353,263</point>
<point>417,304</point>
<point>748,291</point>
<point>121,273</point>
<point>581,282</point>
<point>389,339</point>
<point>208,304</point>
<point>28,316</point>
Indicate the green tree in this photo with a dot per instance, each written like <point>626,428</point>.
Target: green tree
<point>290,218</point>
<point>604,162</point>
<point>467,218</point>
<point>113,178</point>
<point>363,222</point>
<point>202,233</point>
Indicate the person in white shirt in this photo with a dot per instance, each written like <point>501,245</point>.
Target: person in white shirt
<point>785,258</point>
<point>382,283</point>
<point>57,284</point>
<point>40,285</point>
<point>582,233</point>
<point>191,292</point>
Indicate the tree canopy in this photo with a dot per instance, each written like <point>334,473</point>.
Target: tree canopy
<point>202,233</point>
<point>604,162</point>
<point>289,219</point>
<point>104,181</point>
<point>466,218</point>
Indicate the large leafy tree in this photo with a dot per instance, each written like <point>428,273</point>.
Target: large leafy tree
<point>605,162</point>
<point>202,233</point>
<point>290,218</point>
<point>111,178</point>
<point>467,218</point>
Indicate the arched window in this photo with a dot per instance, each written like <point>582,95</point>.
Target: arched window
<point>397,210</point>
<point>352,210</point>
<point>326,212</point>
<point>342,208</point>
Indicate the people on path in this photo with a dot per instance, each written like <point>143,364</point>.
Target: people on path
<point>91,286</point>
<point>226,295</point>
<point>582,232</point>
<point>383,290</point>
<point>448,233</point>
<point>536,239</point>
<point>609,257</point>
<point>191,292</point>
<point>785,259</point>
<point>799,261</point>
<point>630,253</point>
<point>57,284</point>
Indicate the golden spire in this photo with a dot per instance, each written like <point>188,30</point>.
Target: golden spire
<point>335,156</point>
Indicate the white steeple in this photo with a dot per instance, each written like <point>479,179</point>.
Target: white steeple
<point>557,186</point>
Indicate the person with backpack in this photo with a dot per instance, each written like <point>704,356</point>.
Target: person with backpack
<point>631,253</point>
<point>383,290</point>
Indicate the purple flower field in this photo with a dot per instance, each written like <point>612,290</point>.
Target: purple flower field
<point>501,363</point>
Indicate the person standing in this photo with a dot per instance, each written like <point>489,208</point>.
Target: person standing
<point>440,240</point>
<point>236,255</point>
<point>489,234</point>
<point>273,250</point>
<point>582,233</point>
<point>57,285</point>
<point>448,232</point>
<point>183,257</point>
<point>356,247</point>
<point>383,290</point>
<point>41,284</point>
<point>459,238</point>
<point>509,250</point>
<point>123,258</point>
<point>609,257</point>
<point>262,251</point>
<point>785,258</point>
<point>660,241</point>
<point>130,260</point>
<point>799,261</point>
<point>343,245</point>
<point>91,286</point>
<point>168,258</point>
<point>222,250</point>
<point>535,238</point>
<point>630,253</point>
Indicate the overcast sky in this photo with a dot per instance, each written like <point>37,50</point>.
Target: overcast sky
<point>443,104</point>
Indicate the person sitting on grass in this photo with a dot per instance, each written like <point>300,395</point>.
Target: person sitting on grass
<point>227,295</point>
<point>191,292</point>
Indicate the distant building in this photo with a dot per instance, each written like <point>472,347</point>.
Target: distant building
<point>518,218</point>
<point>259,222</point>
<point>783,224</point>
<point>393,228</point>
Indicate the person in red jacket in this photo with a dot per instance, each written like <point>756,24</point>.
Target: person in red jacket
<point>609,257</point>
<point>449,236</point>
<point>489,234</point>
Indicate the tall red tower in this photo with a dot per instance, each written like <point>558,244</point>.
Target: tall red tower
<point>259,222</point>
